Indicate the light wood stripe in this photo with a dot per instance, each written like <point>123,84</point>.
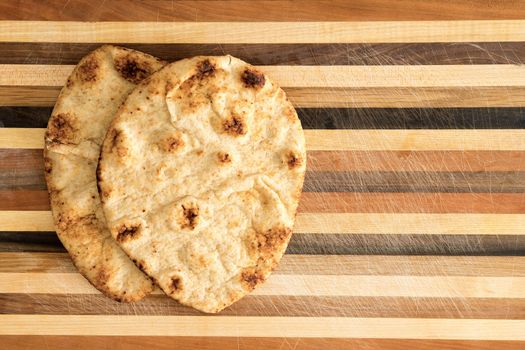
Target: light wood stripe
<point>353,140</point>
<point>398,97</point>
<point>266,32</point>
<point>305,285</point>
<point>415,140</point>
<point>305,327</point>
<point>297,264</point>
<point>332,223</point>
<point>400,223</point>
<point>321,76</point>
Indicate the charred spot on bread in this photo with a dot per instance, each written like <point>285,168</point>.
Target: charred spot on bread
<point>127,232</point>
<point>171,144</point>
<point>269,241</point>
<point>234,125</point>
<point>224,157</point>
<point>251,278</point>
<point>60,129</point>
<point>252,78</point>
<point>88,70</point>
<point>175,284</point>
<point>293,160</point>
<point>190,216</point>
<point>205,68</point>
<point>133,69</point>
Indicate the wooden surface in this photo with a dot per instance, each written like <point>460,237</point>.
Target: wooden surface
<point>411,229</point>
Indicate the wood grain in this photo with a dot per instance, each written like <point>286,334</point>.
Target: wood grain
<point>333,223</point>
<point>344,202</point>
<point>345,140</point>
<point>164,10</point>
<point>430,161</point>
<point>297,306</point>
<point>287,54</point>
<point>343,118</point>
<point>304,285</point>
<point>238,343</point>
<point>307,327</point>
<point>321,76</point>
<point>263,32</point>
<point>328,244</point>
<point>415,108</point>
<point>297,264</point>
<point>421,97</point>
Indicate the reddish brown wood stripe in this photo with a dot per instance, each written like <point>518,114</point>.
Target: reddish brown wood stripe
<point>265,306</point>
<point>466,161</point>
<point>243,343</point>
<point>324,10</point>
<point>344,202</point>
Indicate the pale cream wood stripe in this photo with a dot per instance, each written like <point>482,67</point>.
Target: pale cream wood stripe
<point>401,223</point>
<point>415,140</point>
<point>321,76</point>
<point>299,264</point>
<point>22,138</point>
<point>305,285</point>
<point>495,96</point>
<point>263,32</point>
<point>395,97</point>
<point>353,140</point>
<point>249,326</point>
<point>333,223</point>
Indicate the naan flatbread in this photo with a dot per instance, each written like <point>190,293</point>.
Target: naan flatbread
<point>86,105</point>
<point>200,177</point>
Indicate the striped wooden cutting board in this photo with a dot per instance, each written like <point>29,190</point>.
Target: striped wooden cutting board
<point>411,230</point>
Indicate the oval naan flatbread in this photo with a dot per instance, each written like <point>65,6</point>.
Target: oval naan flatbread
<point>86,105</point>
<point>200,177</point>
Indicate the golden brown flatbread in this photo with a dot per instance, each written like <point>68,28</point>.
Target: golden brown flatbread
<point>82,114</point>
<point>200,177</point>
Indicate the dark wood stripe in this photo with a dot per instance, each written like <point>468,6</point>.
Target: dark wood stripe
<point>344,202</point>
<point>30,242</point>
<point>324,10</point>
<point>297,306</point>
<point>417,181</point>
<point>14,342</point>
<point>344,118</point>
<point>287,54</point>
<point>412,118</point>
<point>332,244</point>
<point>366,181</point>
<point>407,244</point>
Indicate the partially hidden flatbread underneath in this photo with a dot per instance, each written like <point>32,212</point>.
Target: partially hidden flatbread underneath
<point>84,109</point>
<point>200,177</point>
